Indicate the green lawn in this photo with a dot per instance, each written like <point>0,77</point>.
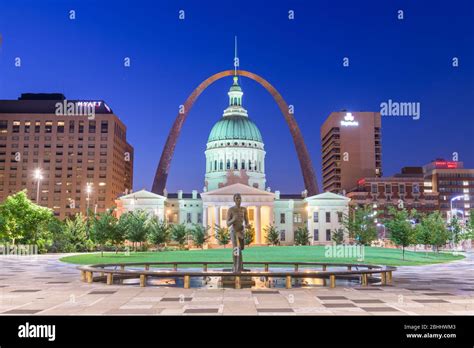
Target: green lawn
<point>376,256</point>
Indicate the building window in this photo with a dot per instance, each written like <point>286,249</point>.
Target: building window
<point>16,127</point>
<point>388,188</point>
<point>91,126</point>
<point>81,126</point>
<point>188,218</point>
<point>251,214</point>
<point>228,164</point>
<point>60,127</point>
<point>48,127</point>
<point>339,216</point>
<point>328,235</point>
<point>236,165</point>
<point>71,126</point>
<point>315,216</point>
<point>243,165</point>
<point>328,216</point>
<point>316,234</point>
<point>297,218</point>
<point>37,126</point>
<point>199,216</point>
<point>282,235</point>
<point>401,189</point>
<point>282,218</point>
<point>416,188</point>
<point>215,165</point>
<point>221,166</point>
<point>3,126</point>
<point>373,188</point>
<point>104,127</point>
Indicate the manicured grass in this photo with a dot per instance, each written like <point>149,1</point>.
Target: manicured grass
<point>376,256</point>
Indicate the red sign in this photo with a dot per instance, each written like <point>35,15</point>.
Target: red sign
<point>361,182</point>
<point>446,164</point>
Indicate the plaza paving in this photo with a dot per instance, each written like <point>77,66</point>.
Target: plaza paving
<point>43,285</point>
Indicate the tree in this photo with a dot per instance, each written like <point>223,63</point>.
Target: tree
<point>302,236</point>
<point>59,239</point>
<point>104,229</point>
<point>159,232</point>
<point>338,236</point>
<point>456,234</point>
<point>249,234</point>
<point>422,233</point>
<point>75,232</point>
<point>400,230</point>
<point>179,233</point>
<point>470,226</point>
<point>271,235</point>
<point>24,221</point>
<point>136,226</point>
<point>434,222</point>
<point>360,223</point>
<point>222,235</point>
<point>199,235</point>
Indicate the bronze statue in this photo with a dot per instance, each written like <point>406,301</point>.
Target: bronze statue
<point>237,220</point>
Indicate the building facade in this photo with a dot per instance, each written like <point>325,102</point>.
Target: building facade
<point>453,183</point>
<point>351,149</point>
<point>403,190</point>
<point>235,163</point>
<point>76,150</point>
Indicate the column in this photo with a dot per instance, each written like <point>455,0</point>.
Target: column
<point>217,217</point>
<point>258,232</point>
<point>270,215</point>
<point>204,216</point>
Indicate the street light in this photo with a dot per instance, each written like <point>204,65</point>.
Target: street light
<point>38,178</point>
<point>456,198</point>
<point>88,191</point>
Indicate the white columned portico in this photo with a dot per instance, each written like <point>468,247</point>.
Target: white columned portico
<point>261,200</point>
<point>258,231</point>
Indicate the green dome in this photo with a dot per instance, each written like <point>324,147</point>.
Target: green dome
<point>235,127</point>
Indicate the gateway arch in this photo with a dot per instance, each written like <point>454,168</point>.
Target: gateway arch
<point>306,166</point>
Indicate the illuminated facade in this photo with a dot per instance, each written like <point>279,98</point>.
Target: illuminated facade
<point>351,149</point>
<point>79,147</point>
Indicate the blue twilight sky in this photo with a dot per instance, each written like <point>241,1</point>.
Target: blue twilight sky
<point>406,60</point>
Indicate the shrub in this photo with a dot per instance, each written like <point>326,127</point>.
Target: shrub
<point>249,234</point>
<point>179,233</point>
<point>222,235</point>
<point>272,235</point>
<point>199,235</point>
<point>302,236</point>
<point>159,232</point>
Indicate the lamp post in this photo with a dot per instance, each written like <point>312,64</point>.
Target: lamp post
<point>38,178</point>
<point>456,198</point>
<point>88,191</point>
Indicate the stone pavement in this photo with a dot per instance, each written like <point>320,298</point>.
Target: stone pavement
<point>43,285</point>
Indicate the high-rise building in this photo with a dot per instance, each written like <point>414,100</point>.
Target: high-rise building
<point>454,183</point>
<point>351,149</point>
<point>76,152</point>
